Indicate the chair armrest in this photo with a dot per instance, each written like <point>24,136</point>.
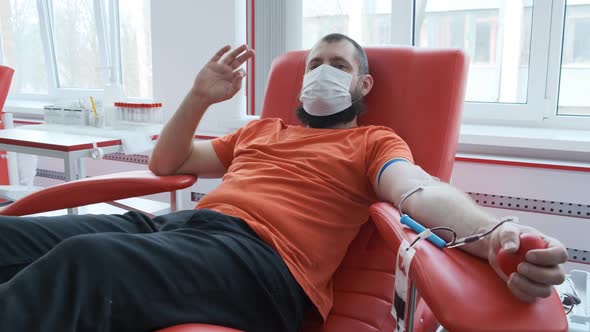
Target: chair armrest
<point>97,189</point>
<point>463,291</point>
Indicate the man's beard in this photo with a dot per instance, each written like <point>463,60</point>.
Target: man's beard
<point>329,121</point>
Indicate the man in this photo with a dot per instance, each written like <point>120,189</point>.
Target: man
<point>262,247</point>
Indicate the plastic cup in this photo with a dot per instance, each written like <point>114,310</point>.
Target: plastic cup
<point>96,120</point>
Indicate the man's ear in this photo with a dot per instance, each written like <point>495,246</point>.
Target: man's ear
<point>367,84</point>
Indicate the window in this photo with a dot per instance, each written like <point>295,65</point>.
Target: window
<point>75,40</point>
<point>529,59</point>
<point>574,99</point>
<point>368,22</point>
<point>136,47</point>
<point>64,48</point>
<point>576,48</point>
<point>485,42</point>
<point>517,75</point>
<point>497,39</point>
<point>443,30</point>
<point>491,35</point>
<point>21,46</point>
<point>525,42</point>
<point>377,28</point>
<point>316,25</point>
<point>581,49</point>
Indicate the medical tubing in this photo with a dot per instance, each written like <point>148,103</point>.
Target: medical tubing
<point>420,237</point>
<point>416,227</point>
<point>472,238</point>
<point>406,195</point>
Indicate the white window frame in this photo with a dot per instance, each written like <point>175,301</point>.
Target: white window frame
<point>534,128</point>
<point>532,112</point>
<point>552,120</point>
<point>540,108</point>
<point>402,33</point>
<point>109,49</point>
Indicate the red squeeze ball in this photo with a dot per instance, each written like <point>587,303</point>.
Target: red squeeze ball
<point>508,262</point>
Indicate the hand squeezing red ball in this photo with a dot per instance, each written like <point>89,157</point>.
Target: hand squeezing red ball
<point>529,262</point>
<point>508,261</point>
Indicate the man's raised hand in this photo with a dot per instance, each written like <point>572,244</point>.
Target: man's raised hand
<point>221,78</point>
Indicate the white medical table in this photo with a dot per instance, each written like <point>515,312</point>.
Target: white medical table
<point>75,144</point>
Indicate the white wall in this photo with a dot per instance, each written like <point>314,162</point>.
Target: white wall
<point>185,34</point>
<point>533,183</point>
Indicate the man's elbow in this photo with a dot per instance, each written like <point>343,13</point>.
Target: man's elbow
<point>158,169</point>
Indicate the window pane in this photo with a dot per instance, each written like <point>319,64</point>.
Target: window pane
<point>21,46</point>
<point>574,98</point>
<point>483,42</point>
<point>496,35</point>
<point>136,47</point>
<point>368,21</point>
<point>76,44</point>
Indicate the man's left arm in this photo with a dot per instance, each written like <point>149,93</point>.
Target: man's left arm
<point>440,204</point>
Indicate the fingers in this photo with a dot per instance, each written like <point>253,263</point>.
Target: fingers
<point>242,58</point>
<point>526,289</point>
<point>237,79</point>
<point>519,293</point>
<point>238,56</point>
<point>220,53</point>
<point>228,59</point>
<point>553,275</point>
<point>239,74</point>
<point>508,237</point>
<point>533,281</point>
<point>492,258</point>
<point>234,59</point>
<point>554,255</point>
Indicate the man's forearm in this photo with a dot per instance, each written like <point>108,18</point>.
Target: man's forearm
<point>174,144</point>
<point>440,204</point>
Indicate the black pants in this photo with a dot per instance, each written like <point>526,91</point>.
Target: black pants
<point>132,273</point>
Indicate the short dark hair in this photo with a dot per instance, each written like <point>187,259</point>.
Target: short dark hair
<point>361,56</point>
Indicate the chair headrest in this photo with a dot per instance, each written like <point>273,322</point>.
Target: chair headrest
<point>417,92</point>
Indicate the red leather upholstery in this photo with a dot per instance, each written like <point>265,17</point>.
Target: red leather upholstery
<point>363,290</point>
<point>97,189</point>
<point>463,291</point>
<point>6,74</point>
<point>5,79</point>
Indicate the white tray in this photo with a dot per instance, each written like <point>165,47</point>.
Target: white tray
<point>579,317</point>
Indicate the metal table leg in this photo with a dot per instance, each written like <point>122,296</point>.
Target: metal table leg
<point>70,175</point>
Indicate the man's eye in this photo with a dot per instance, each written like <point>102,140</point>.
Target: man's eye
<point>341,67</point>
<point>312,67</point>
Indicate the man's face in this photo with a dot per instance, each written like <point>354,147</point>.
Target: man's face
<point>340,55</point>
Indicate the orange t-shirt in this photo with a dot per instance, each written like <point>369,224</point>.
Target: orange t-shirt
<point>304,191</point>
